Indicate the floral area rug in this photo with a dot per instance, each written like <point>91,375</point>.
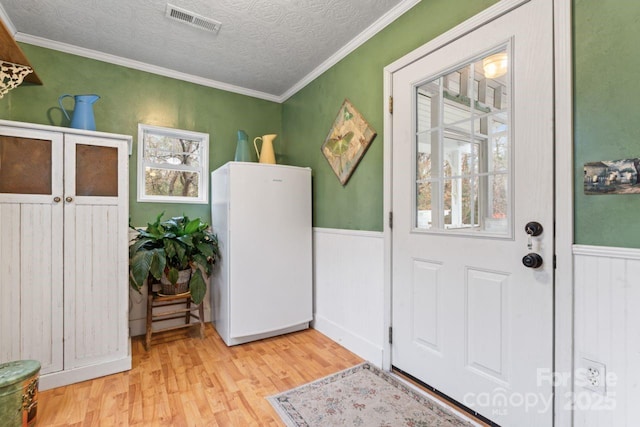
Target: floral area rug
<point>361,396</point>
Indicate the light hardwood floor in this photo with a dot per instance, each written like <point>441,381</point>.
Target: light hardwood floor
<point>187,381</point>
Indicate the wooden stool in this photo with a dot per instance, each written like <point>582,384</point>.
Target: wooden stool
<point>155,300</point>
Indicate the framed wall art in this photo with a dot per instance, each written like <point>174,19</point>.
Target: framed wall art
<point>612,176</point>
<point>347,141</point>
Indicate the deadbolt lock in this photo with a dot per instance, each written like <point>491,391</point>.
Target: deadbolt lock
<point>533,228</point>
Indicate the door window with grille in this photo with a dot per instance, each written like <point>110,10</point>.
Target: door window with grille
<point>463,148</point>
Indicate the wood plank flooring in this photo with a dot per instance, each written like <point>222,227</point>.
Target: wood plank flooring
<point>187,381</point>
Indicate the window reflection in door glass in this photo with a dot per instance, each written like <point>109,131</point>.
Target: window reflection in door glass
<point>423,155</point>
<point>459,156</point>
<point>428,99</point>
<point>424,196</point>
<point>463,152</point>
<point>460,203</point>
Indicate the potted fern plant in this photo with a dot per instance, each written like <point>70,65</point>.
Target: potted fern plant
<point>175,252</point>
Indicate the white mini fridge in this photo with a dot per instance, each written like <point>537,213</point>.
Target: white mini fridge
<point>261,214</point>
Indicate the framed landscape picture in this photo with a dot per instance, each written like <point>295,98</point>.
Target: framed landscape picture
<point>612,177</point>
<point>347,141</point>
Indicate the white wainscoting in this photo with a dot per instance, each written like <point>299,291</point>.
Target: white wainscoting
<point>349,289</point>
<point>607,330</point>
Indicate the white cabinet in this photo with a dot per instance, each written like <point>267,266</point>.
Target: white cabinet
<point>63,251</point>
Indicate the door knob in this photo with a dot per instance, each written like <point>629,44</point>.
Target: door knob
<point>532,260</point>
<point>57,199</point>
<point>533,228</point>
<point>69,199</point>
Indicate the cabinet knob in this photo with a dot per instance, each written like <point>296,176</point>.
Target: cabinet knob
<point>69,199</point>
<point>57,199</point>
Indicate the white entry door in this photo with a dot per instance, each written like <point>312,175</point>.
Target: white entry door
<point>472,198</point>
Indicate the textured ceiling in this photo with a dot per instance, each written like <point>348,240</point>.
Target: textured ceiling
<point>263,46</point>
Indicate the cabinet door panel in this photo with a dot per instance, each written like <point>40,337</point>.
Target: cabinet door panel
<point>96,269</point>
<point>41,299</point>
<point>31,246</point>
<point>96,170</point>
<point>25,165</point>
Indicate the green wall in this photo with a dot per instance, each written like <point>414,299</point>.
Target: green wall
<point>308,115</point>
<point>605,62</point>
<point>129,97</point>
<point>606,94</point>
<point>606,90</point>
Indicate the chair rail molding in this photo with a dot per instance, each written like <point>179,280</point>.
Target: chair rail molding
<point>607,251</point>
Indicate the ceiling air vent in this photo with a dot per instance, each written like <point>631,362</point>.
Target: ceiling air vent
<point>192,19</point>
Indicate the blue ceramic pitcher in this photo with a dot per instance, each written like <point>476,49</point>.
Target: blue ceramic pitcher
<point>243,152</point>
<point>82,111</point>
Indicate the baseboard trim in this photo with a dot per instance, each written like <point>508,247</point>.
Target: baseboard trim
<point>354,343</point>
<point>71,376</point>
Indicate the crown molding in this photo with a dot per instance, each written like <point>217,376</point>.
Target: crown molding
<point>7,22</point>
<point>142,66</point>
<point>356,42</point>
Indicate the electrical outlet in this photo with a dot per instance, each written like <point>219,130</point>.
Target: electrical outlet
<point>592,376</point>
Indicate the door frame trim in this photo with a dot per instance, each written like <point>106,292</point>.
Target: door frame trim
<point>563,170</point>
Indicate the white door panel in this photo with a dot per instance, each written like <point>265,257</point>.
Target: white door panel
<point>472,164</point>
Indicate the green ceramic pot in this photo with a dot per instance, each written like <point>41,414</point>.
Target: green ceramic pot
<point>19,393</point>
